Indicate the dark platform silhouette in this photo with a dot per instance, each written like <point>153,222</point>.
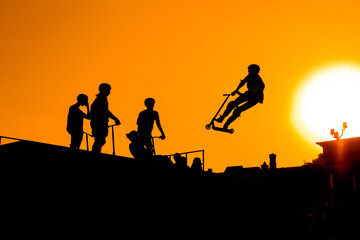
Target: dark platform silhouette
<point>84,188</point>
<point>105,187</point>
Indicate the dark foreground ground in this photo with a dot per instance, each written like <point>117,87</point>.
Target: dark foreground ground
<point>50,191</point>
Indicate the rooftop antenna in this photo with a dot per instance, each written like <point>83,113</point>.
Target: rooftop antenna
<point>336,134</point>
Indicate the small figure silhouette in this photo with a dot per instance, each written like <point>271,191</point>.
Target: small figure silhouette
<point>100,115</point>
<point>196,165</point>
<point>75,121</point>
<point>180,162</point>
<point>136,148</point>
<point>264,166</point>
<point>251,97</point>
<point>145,124</point>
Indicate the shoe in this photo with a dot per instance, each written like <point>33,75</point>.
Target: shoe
<point>229,121</point>
<point>219,119</point>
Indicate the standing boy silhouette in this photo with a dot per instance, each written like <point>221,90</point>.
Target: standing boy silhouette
<point>75,121</point>
<point>145,124</point>
<point>253,96</point>
<point>100,115</point>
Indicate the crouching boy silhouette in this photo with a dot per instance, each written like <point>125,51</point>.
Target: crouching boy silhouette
<point>75,121</point>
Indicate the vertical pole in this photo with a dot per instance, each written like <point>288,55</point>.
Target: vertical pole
<point>355,194</point>
<point>332,191</point>
<point>113,139</point>
<point>332,199</point>
<point>153,146</point>
<point>87,141</point>
<point>203,157</point>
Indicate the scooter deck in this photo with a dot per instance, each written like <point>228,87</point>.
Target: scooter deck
<point>223,129</point>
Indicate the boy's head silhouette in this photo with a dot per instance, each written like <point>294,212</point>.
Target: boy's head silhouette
<point>132,136</point>
<point>104,89</point>
<point>149,103</point>
<point>177,157</point>
<point>254,68</point>
<point>82,99</point>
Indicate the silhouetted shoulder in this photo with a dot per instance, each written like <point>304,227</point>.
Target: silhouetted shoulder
<point>75,110</point>
<point>147,116</point>
<point>75,113</point>
<point>75,119</point>
<point>100,103</point>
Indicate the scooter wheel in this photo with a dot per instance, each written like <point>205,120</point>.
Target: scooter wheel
<point>231,131</point>
<point>208,126</point>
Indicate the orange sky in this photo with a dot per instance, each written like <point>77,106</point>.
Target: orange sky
<point>185,54</point>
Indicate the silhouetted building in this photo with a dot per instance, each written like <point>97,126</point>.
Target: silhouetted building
<point>341,158</point>
<point>241,171</point>
<point>343,154</point>
<point>272,161</point>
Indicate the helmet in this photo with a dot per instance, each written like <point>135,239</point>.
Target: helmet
<point>82,98</point>
<point>132,136</point>
<point>149,102</point>
<point>104,87</point>
<point>254,68</point>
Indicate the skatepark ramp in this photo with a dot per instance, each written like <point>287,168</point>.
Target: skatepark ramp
<point>20,149</point>
<point>30,158</point>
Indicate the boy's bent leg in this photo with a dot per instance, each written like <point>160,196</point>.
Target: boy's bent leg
<point>232,118</point>
<point>98,143</point>
<point>238,111</point>
<point>231,105</point>
<point>76,139</point>
<point>247,105</point>
<point>149,148</point>
<point>145,139</point>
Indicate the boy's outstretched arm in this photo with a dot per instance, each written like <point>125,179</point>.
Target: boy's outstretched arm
<point>160,129</point>
<point>242,83</point>
<point>112,116</point>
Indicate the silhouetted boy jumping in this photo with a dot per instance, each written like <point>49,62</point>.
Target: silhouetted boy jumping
<point>100,115</point>
<point>75,121</point>
<point>145,124</point>
<point>253,96</point>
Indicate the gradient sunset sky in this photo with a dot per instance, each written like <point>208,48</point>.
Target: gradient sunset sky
<point>184,54</point>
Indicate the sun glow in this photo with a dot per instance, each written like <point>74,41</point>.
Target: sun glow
<point>328,97</point>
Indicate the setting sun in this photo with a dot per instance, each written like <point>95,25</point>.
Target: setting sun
<point>328,97</point>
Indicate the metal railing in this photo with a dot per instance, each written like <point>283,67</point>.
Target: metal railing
<point>112,134</point>
<point>86,134</point>
<point>186,153</point>
<point>186,156</point>
<point>113,144</point>
<point>87,139</point>
<point>153,144</point>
